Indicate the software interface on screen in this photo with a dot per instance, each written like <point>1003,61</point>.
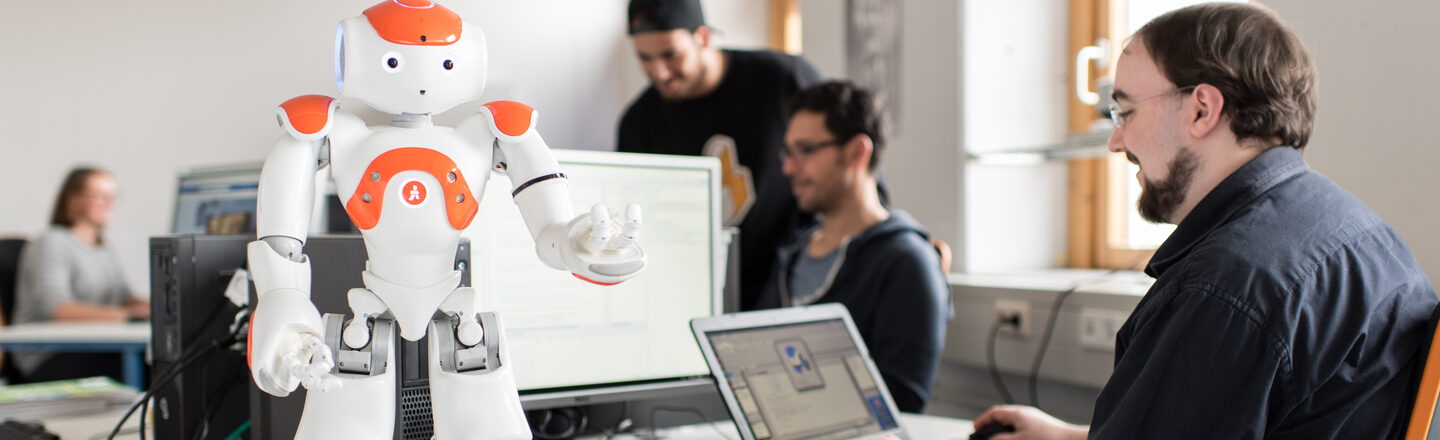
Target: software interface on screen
<point>564,332</point>
<point>801,381</point>
<point>217,202</point>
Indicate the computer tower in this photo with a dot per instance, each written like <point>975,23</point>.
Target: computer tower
<point>189,274</point>
<point>188,311</point>
<point>335,265</point>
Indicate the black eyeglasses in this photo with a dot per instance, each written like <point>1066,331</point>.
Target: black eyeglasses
<point>803,150</point>
<point>1118,116</point>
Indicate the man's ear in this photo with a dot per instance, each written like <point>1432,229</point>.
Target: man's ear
<point>702,36</point>
<point>859,149</point>
<point>1209,105</point>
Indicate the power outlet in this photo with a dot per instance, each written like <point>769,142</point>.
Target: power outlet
<point>1099,326</point>
<point>1019,310</point>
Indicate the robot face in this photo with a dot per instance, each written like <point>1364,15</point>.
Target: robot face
<point>409,56</point>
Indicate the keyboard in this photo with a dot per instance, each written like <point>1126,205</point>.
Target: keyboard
<point>17,430</point>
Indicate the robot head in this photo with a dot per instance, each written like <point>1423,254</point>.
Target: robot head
<point>409,56</point>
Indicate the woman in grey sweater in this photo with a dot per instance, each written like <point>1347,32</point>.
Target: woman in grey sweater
<point>67,274</point>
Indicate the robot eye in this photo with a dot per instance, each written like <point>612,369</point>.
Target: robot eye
<point>393,62</point>
<point>449,64</point>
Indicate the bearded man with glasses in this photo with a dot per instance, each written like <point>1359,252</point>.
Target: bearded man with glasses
<point>1282,306</point>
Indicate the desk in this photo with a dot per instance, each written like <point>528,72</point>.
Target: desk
<point>129,339</point>
<point>919,426</point>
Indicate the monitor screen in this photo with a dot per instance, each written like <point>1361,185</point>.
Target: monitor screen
<point>805,380</point>
<point>217,201</point>
<point>576,342</point>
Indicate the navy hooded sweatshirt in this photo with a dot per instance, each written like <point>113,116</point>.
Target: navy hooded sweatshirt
<point>889,278</point>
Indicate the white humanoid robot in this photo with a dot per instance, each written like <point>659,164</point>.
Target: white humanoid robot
<point>410,187</point>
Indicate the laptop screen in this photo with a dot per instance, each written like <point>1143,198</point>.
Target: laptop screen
<point>801,381</point>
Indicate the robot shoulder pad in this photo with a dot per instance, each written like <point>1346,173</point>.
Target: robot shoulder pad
<point>307,117</point>
<point>509,120</point>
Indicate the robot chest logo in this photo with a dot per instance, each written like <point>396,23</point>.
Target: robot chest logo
<point>412,194</point>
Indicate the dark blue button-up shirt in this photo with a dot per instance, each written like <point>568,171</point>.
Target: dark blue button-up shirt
<point>1282,308</point>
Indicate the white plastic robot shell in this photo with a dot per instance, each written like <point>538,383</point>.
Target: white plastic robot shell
<point>397,78</point>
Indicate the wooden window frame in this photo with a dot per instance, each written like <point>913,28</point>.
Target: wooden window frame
<point>785,26</point>
<point>1097,187</point>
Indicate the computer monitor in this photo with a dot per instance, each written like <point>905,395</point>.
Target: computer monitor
<point>575,343</point>
<point>217,200</point>
<point>221,200</point>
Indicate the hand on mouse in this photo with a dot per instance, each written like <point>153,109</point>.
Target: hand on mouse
<point>1029,423</point>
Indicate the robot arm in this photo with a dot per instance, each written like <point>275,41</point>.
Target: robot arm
<point>285,345</point>
<point>583,244</point>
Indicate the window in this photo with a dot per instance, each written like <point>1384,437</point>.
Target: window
<point>1105,229</point>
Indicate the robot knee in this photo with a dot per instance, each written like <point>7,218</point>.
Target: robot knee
<point>361,345</point>
<point>467,344</point>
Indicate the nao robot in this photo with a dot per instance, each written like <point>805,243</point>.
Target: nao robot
<point>410,187</point>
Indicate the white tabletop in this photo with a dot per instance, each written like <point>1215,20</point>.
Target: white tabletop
<point>919,426</point>
<point>76,332</point>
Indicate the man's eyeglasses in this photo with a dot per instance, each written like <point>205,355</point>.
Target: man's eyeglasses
<point>803,151</point>
<point>1119,116</point>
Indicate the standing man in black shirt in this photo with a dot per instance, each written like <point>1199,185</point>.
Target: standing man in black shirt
<point>724,103</point>
<point>1282,306</point>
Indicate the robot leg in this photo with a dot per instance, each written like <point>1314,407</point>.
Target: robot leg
<point>472,386</point>
<point>364,406</point>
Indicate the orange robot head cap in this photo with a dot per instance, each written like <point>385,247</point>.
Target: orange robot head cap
<point>415,22</point>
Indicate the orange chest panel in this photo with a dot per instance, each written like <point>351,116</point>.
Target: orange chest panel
<point>365,203</point>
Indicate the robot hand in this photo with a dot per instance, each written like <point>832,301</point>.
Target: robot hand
<point>310,365</point>
<point>602,251</point>
<point>286,349</point>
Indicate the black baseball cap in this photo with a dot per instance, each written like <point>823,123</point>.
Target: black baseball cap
<point>665,15</point>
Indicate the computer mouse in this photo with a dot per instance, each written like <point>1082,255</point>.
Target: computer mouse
<point>987,431</point>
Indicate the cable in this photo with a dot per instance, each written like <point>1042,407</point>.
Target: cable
<point>1045,344</point>
<point>200,351</point>
<point>144,405</point>
<point>214,405</point>
<point>621,422</point>
<point>236,434</point>
<point>558,423</point>
<point>681,409</point>
<point>995,367</point>
<point>1034,380</point>
<point>163,380</point>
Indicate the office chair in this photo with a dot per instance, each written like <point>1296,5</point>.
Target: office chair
<point>9,265</point>
<point>1423,413</point>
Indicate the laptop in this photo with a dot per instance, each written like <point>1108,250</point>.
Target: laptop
<point>797,373</point>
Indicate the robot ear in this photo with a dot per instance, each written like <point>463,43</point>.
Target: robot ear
<point>340,57</point>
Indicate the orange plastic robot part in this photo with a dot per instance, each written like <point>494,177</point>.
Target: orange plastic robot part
<point>415,22</point>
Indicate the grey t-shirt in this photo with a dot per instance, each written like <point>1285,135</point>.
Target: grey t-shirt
<point>55,268</point>
<point>810,277</point>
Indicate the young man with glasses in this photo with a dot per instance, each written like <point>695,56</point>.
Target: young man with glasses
<point>1282,306</point>
<point>730,104</point>
<point>878,262</point>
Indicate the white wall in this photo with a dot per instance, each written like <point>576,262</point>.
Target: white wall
<point>148,87</point>
<point>1015,93</point>
<point>1374,131</point>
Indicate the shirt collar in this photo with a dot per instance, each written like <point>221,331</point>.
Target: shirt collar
<point>1268,170</point>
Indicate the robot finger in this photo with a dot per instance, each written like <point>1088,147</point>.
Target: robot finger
<point>630,229</point>
<point>600,229</point>
<point>293,368</point>
<point>329,383</point>
<point>321,362</point>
